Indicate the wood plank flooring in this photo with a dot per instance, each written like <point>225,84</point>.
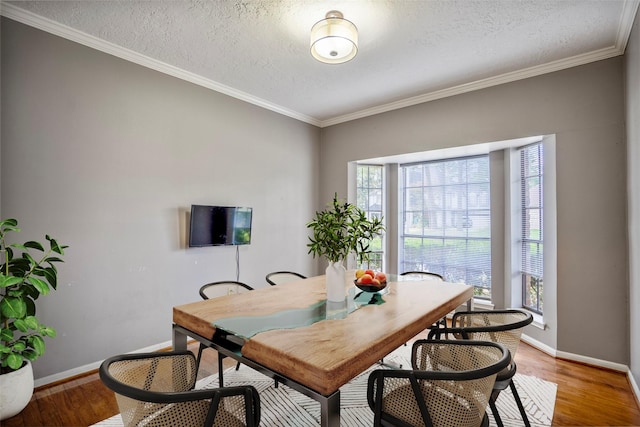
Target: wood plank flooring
<point>587,396</point>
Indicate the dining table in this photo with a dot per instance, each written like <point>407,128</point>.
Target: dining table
<point>291,333</point>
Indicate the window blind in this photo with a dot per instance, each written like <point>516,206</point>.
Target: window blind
<point>531,162</point>
<point>446,220</point>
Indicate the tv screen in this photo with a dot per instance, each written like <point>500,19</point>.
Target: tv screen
<point>219,225</point>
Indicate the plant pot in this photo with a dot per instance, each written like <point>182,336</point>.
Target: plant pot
<point>335,282</point>
<point>16,389</point>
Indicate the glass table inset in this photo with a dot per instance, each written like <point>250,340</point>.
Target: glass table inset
<point>245,327</point>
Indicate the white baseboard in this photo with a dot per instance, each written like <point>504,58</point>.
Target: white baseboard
<point>634,386</point>
<point>575,357</point>
<point>586,360</point>
<point>91,366</point>
<point>593,361</point>
<point>539,345</point>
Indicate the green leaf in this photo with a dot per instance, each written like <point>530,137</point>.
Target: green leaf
<point>51,276</point>
<point>30,355</point>
<point>48,332</point>
<point>39,284</point>
<point>31,306</point>
<point>28,257</point>
<point>6,335</point>
<point>21,325</point>
<point>55,246</point>
<point>14,361</point>
<point>9,223</point>
<point>32,322</point>
<point>19,346</point>
<point>9,253</point>
<point>38,344</point>
<point>34,245</point>
<point>19,246</point>
<point>13,308</point>
<point>6,281</point>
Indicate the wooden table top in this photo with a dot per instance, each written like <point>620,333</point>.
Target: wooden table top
<point>327,354</point>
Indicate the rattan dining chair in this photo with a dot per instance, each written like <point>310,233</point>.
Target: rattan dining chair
<point>279,277</point>
<point>215,290</point>
<point>225,287</point>
<point>501,326</point>
<point>426,275</point>
<point>417,275</point>
<point>157,389</point>
<point>422,275</point>
<point>450,385</point>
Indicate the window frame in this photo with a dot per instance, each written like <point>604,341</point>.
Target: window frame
<point>375,255</point>
<point>506,222</point>
<point>529,278</point>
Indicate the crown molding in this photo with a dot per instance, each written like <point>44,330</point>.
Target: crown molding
<point>625,26</point>
<point>28,18</point>
<point>480,84</point>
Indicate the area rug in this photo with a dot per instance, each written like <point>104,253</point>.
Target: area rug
<point>285,407</point>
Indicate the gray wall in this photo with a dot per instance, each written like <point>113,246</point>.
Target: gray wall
<point>107,157</point>
<point>583,106</point>
<point>632,90</point>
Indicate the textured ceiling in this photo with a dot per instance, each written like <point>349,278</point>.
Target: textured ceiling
<point>409,51</point>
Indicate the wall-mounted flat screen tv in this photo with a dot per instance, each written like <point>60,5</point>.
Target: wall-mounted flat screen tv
<point>219,225</point>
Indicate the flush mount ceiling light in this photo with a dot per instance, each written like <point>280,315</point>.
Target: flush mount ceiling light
<point>334,40</point>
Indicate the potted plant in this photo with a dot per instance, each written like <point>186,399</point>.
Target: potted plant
<point>23,278</point>
<point>339,230</point>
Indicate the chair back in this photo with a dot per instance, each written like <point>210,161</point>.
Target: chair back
<point>422,275</point>
<point>156,389</point>
<point>131,377</point>
<point>225,287</point>
<point>450,385</point>
<point>501,326</point>
<point>279,277</point>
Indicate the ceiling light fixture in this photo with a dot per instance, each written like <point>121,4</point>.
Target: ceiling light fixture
<point>334,40</point>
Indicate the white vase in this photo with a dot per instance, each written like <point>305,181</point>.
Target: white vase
<point>335,282</point>
<point>16,389</point>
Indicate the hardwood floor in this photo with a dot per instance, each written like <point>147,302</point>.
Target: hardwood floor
<point>587,396</point>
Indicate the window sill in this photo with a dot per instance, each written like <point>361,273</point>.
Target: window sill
<point>482,304</point>
<point>538,321</point>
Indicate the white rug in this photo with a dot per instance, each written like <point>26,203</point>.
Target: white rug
<point>285,407</point>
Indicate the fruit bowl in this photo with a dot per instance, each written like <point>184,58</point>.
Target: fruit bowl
<point>370,288</point>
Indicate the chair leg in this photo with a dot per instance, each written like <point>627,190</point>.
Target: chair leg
<point>220,370</point>
<point>516,396</point>
<point>494,411</point>
<point>220,366</point>
<point>199,357</point>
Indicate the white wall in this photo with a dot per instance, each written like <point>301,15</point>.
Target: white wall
<point>632,90</point>
<point>584,108</point>
<point>107,157</point>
